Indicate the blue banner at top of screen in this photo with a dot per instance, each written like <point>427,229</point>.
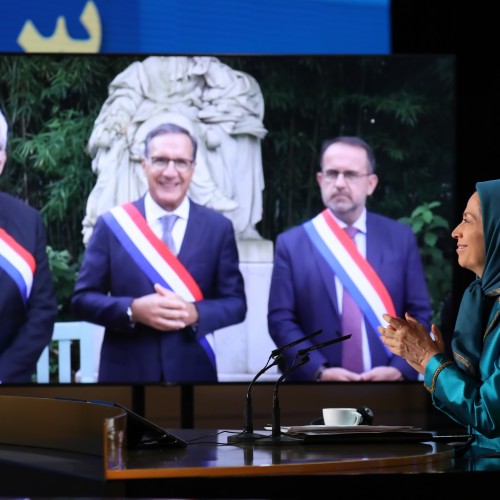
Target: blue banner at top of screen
<point>197,26</point>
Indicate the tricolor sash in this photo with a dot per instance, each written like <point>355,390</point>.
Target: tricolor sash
<point>19,264</point>
<point>353,270</point>
<point>154,258</point>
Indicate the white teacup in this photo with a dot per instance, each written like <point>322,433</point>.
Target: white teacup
<point>341,416</point>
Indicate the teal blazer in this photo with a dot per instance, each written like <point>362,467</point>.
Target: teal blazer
<point>471,401</point>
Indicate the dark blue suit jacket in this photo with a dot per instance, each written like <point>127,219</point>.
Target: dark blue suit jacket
<point>109,279</point>
<point>25,330</point>
<point>303,298</point>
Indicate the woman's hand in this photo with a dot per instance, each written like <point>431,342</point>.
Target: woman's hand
<point>410,339</point>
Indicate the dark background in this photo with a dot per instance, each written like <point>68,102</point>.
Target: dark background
<point>469,31</point>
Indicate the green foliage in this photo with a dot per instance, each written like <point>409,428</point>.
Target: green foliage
<point>64,271</point>
<point>401,105</point>
<point>51,103</point>
<point>430,228</point>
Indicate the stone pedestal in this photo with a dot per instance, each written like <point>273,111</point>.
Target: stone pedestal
<point>242,350</point>
<point>255,251</point>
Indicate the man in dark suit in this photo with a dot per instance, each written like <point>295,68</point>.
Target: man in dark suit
<point>316,265</point>
<point>28,305</point>
<point>160,306</point>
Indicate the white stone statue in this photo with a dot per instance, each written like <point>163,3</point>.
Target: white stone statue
<point>226,110</point>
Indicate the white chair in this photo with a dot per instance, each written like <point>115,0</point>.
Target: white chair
<point>89,335</point>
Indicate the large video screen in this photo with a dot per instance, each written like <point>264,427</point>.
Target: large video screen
<point>66,112</point>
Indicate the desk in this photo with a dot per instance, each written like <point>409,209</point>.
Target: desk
<point>209,468</point>
<point>209,455</point>
<point>67,463</point>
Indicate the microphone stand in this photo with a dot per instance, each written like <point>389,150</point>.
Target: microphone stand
<point>248,435</point>
<point>277,437</point>
<point>301,358</point>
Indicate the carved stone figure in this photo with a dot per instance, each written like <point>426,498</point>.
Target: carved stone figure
<point>225,109</point>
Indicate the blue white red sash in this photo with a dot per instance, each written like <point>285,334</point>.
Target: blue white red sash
<point>353,270</point>
<point>19,264</point>
<point>154,258</point>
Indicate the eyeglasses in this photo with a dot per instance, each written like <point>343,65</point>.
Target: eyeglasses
<point>161,163</point>
<point>349,175</point>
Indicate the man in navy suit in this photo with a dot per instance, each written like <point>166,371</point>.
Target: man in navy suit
<point>28,305</point>
<point>160,305</point>
<point>316,261</point>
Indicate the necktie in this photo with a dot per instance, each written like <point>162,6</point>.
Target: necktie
<point>352,353</point>
<point>167,222</point>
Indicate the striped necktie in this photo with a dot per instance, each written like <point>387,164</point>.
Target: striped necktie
<point>167,222</point>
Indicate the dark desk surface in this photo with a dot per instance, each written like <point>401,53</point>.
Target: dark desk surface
<point>209,467</point>
<point>209,454</point>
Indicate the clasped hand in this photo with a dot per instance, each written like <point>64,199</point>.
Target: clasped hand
<point>378,373</point>
<point>408,338</point>
<point>164,310</point>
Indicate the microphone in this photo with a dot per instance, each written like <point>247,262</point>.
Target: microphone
<point>302,352</point>
<point>248,435</point>
<point>301,358</point>
<point>279,350</point>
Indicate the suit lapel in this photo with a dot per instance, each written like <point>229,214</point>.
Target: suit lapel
<point>374,241</point>
<point>194,229</point>
<point>3,211</point>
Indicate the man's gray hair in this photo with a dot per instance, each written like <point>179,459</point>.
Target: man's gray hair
<point>4,128</point>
